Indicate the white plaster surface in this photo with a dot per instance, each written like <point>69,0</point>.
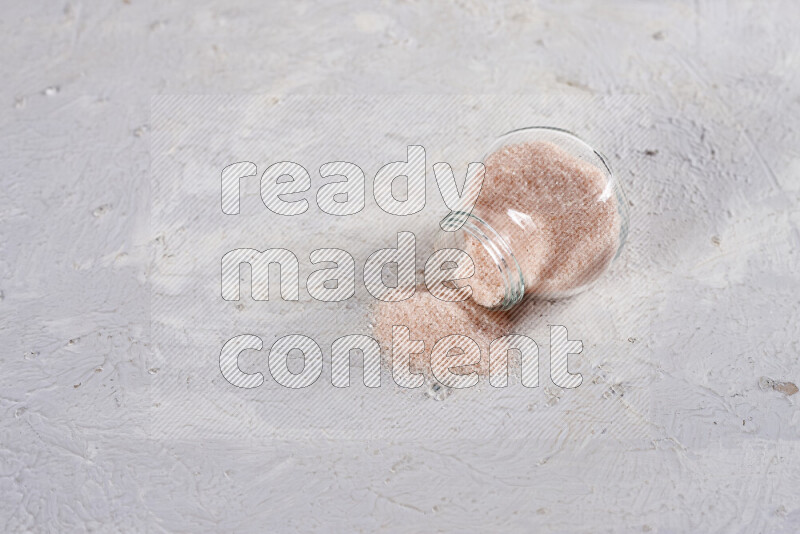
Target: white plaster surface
<point>722,452</point>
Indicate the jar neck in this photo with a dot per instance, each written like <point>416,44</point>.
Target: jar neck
<point>497,248</point>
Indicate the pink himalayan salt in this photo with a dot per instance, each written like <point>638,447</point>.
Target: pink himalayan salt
<point>546,204</point>
<point>430,319</point>
<point>556,213</point>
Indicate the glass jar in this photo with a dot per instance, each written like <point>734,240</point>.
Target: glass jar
<point>550,219</point>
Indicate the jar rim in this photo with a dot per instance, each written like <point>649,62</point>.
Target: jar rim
<point>500,251</point>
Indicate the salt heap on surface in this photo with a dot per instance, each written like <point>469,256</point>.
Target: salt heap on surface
<point>430,319</point>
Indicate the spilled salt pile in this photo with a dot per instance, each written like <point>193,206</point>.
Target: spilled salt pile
<point>430,319</point>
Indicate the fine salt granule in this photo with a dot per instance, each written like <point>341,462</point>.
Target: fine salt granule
<point>558,214</point>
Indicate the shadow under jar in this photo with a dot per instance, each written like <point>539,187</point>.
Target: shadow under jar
<point>550,219</point>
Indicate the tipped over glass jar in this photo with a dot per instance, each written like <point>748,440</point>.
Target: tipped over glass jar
<point>550,219</point>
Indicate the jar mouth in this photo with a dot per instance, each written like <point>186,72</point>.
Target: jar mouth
<point>496,247</point>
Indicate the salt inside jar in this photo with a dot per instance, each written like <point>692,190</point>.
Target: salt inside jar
<point>550,219</point>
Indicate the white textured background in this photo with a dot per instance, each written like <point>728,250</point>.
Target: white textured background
<point>75,249</point>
